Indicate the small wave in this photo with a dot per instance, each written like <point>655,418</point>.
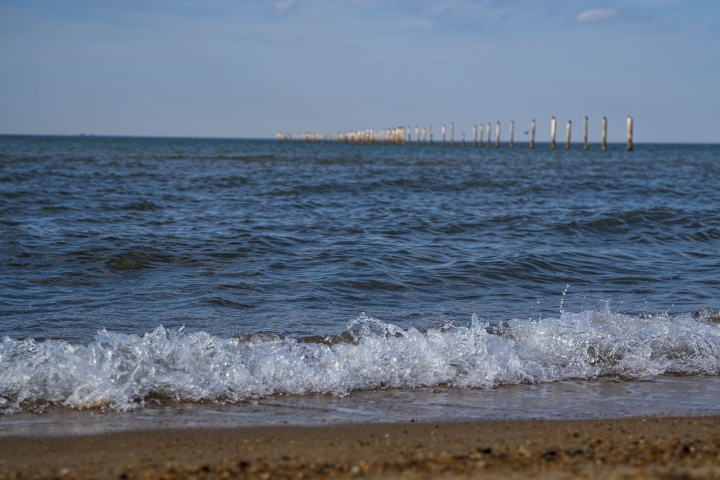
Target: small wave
<point>131,261</point>
<point>123,372</point>
<point>143,206</point>
<point>224,302</point>
<point>660,224</point>
<point>141,259</point>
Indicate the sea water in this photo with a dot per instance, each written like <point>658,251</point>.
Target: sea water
<point>187,279</point>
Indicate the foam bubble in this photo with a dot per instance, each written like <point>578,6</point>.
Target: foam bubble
<point>123,372</point>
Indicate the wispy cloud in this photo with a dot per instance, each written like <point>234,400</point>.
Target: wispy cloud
<point>283,5</point>
<point>596,15</point>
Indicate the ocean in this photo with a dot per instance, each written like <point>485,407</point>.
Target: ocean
<point>174,282</point>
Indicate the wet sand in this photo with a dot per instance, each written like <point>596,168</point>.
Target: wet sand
<point>666,448</point>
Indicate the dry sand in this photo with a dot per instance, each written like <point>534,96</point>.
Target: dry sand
<point>665,448</point>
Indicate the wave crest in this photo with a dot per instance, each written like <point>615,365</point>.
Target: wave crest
<point>123,372</point>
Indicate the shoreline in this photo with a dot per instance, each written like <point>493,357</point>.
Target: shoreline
<point>654,447</point>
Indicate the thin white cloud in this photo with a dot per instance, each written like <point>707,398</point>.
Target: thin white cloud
<point>596,15</point>
<point>283,5</point>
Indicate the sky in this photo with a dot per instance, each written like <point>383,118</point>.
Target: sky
<point>252,68</point>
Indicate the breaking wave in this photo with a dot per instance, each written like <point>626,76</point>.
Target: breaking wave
<point>124,372</point>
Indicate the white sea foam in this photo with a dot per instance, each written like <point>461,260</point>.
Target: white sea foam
<point>123,372</point>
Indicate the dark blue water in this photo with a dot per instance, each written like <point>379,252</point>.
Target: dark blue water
<point>224,270</point>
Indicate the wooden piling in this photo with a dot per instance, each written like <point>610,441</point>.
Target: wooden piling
<point>604,134</point>
<point>567,135</point>
<point>403,135</point>
<point>442,130</point>
<point>532,134</point>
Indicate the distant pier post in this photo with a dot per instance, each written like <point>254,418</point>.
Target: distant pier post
<point>431,135</point>
<point>553,132</point>
<point>585,134</point>
<point>462,142</point>
<point>604,134</point>
<point>489,133</point>
<point>417,134</point>
<point>567,135</point>
<point>474,136</point>
<point>452,134</point>
<point>497,135</point>
<point>442,130</point>
<point>629,133</point>
<point>512,134</point>
<point>532,134</point>
<point>481,131</point>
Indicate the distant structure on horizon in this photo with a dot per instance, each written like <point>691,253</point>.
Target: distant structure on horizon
<point>403,135</point>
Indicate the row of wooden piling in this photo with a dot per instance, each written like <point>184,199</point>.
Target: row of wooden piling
<point>481,135</point>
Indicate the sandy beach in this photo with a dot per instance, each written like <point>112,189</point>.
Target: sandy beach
<point>667,448</point>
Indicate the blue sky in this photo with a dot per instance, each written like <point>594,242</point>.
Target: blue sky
<point>251,68</point>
